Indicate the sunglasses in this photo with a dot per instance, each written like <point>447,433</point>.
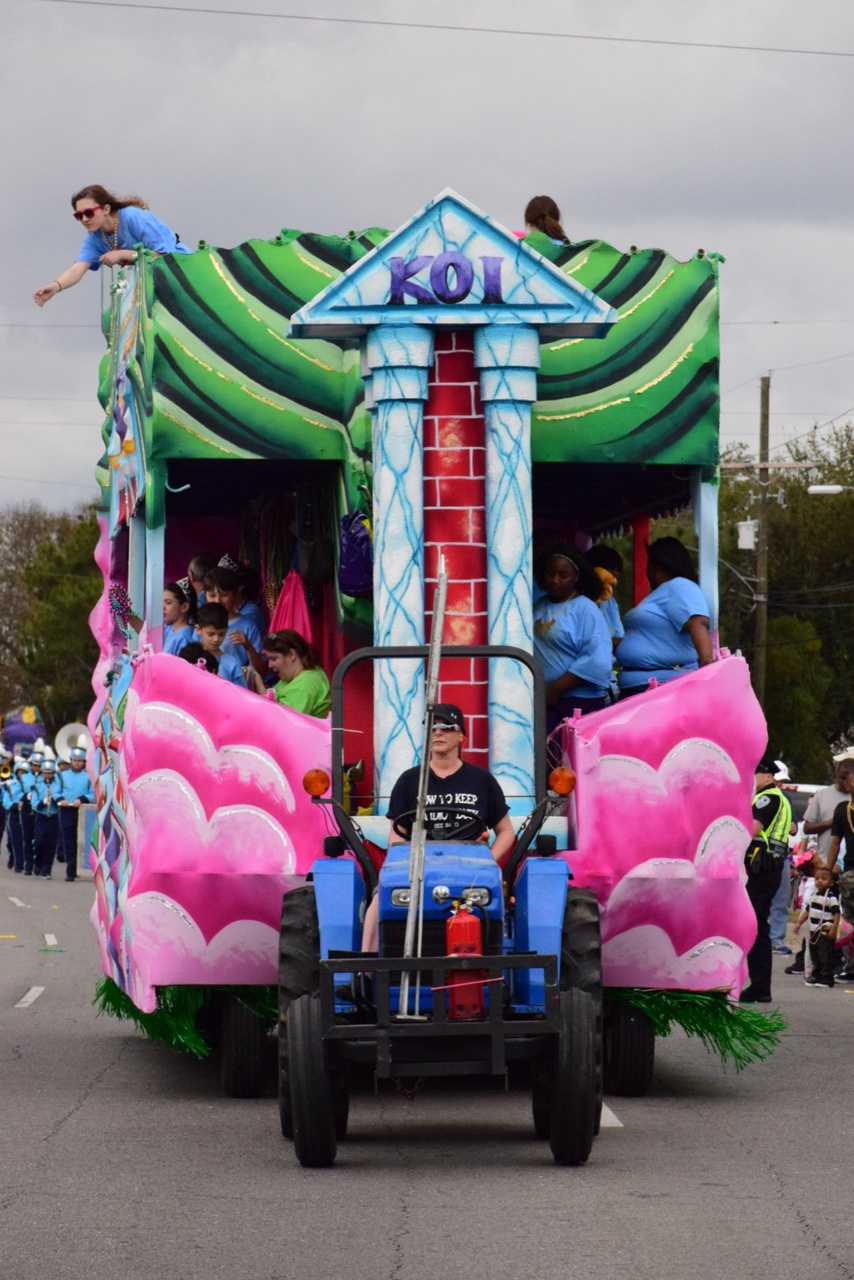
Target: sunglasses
<point>83,215</point>
<point>446,728</point>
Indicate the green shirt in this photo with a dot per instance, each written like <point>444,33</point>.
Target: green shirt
<point>308,692</point>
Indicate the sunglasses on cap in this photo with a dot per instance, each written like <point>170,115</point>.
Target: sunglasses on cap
<point>83,215</point>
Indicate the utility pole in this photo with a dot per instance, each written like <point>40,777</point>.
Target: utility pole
<point>760,643</point>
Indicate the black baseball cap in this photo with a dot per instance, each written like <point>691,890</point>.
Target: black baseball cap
<point>767,765</point>
<point>446,714</point>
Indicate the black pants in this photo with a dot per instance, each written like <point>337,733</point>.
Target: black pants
<point>45,833</point>
<point>16,839</point>
<point>27,815</point>
<point>822,958</point>
<point>761,888</point>
<point>68,816</point>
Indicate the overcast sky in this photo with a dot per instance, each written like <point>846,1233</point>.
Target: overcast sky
<point>233,127</point>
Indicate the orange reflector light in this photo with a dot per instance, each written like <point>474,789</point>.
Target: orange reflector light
<point>562,781</point>
<point>316,782</point>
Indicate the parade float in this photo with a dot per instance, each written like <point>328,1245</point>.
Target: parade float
<point>474,395</point>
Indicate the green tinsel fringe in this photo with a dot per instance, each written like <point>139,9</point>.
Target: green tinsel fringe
<point>739,1034</point>
<point>176,1020</point>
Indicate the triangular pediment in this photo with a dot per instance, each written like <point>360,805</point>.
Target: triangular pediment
<point>450,265</point>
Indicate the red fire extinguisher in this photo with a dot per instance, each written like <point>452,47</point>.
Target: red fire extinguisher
<point>463,937</point>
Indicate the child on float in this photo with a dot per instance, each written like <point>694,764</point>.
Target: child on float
<point>178,630</point>
<point>195,654</point>
<point>212,628</point>
<point>45,797</point>
<point>302,683</point>
<point>76,790</point>
<point>223,586</point>
<point>202,563</point>
<point>822,911</point>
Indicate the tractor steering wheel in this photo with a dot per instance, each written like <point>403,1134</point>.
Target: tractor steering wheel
<point>468,822</point>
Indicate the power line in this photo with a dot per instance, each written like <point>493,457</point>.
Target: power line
<point>786,323</point>
<point>448,26</point>
<point>63,484</point>
<point>34,324</point>
<point>818,427</point>
<point>806,364</point>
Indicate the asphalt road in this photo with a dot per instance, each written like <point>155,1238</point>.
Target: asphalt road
<point>119,1159</point>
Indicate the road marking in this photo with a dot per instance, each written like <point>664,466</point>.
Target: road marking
<point>30,998</point>
<point>18,902</point>
<point>50,940</point>
<point>609,1119</point>
<point>8,937</point>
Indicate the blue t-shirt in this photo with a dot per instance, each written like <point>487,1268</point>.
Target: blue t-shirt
<point>230,666</point>
<point>252,614</point>
<point>611,613</point>
<point>176,639</point>
<point>136,226</point>
<point>573,637</point>
<point>250,629</point>
<point>655,643</point>
<point>77,786</point>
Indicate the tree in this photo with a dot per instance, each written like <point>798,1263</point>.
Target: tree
<point>22,531</point>
<point>798,683</point>
<point>56,650</point>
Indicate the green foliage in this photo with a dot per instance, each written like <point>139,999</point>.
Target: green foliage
<point>737,1034</point>
<point>23,530</point>
<point>798,683</point>
<point>175,1021</point>
<point>56,652</point>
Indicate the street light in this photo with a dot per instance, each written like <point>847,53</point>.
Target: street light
<point>827,489</point>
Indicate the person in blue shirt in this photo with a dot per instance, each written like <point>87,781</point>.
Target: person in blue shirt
<point>116,226</point>
<point>571,637</point>
<point>212,627</point>
<point>223,586</point>
<point>667,634</point>
<point>608,566</point>
<point>45,797</point>
<point>76,790</point>
<point>14,796</point>
<point>178,630</point>
<point>29,778</point>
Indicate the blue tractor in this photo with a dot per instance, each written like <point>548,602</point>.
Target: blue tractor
<point>505,968</point>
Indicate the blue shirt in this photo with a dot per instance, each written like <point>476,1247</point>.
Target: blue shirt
<point>45,797</point>
<point>254,634</point>
<point>251,614</point>
<point>573,637</point>
<point>611,613</point>
<point>174,641</point>
<point>655,643</point>
<point>77,786</point>
<point>230,666</point>
<point>136,226</point>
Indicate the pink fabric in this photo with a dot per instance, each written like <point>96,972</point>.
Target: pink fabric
<point>291,611</point>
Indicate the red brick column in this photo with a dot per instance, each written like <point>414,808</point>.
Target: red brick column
<point>455,525</point>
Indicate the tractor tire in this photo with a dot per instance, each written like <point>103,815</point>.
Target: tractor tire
<point>299,946</point>
<point>581,967</point>
<point>243,1050</point>
<point>574,1089</point>
<point>313,1108</point>
<point>581,943</point>
<point>299,954</point>
<point>629,1051</point>
<point>541,1098</point>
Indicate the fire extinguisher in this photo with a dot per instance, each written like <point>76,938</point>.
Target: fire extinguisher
<point>463,937</point>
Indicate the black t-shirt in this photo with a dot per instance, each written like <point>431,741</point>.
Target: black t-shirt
<point>842,827</point>
<point>471,790</point>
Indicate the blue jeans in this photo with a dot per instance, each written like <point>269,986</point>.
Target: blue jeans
<point>778,919</point>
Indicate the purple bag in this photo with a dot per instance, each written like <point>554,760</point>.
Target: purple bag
<point>355,571</point>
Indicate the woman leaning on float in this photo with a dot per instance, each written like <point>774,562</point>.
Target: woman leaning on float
<point>115,227</point>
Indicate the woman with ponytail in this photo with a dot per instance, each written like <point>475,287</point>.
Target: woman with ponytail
<point>542,214</point>
<point>115,226</point>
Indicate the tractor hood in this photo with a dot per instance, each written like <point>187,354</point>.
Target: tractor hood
<point>455,867</point>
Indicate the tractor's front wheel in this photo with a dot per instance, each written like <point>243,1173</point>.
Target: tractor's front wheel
<point>574,1090</point>
<point>299,953</point>
<point>629,1051</point>
<point>312,1089</point>
<point>243,1050</point>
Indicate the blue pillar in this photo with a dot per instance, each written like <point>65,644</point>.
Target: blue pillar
<point>398,359</point>
<point>704,499</point>
<point>508,357</point>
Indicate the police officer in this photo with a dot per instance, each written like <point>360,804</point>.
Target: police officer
<point>764,861</point>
